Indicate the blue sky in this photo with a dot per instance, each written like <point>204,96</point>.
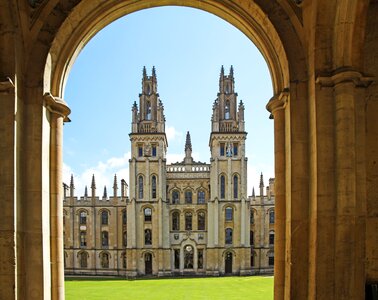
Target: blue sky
<point>187,47</point>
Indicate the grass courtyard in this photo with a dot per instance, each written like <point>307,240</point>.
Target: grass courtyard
<point>230,288</point>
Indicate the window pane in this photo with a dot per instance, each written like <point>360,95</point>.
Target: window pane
<point>228,236</point>
<point>147,237</point>
<point>147,214</point>
<point>175,197</point>
<point>222,187</point>
<point>229,213</point>
<point>201,197</point>
<point>188,197</point>
<point>236,186</point>
<point>153,187</point>
<point>140,187</point>
<point>175,221</point>
<point>188,221</point>
<point>201,221</point>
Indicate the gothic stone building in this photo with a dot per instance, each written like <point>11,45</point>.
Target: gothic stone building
<point>186,218</point>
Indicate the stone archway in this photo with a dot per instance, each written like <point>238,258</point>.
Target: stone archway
<point>315,55</point>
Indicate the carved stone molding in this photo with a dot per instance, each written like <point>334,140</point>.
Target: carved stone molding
<point>278,102</point>
<point>345,76</point>
<point>6,86</point>
<point>57,105</point>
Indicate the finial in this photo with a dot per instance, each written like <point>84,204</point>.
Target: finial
<point>93,185</point>
<point>261,180</point>
<point>222,71</point>
<point>253,192</point>
<point>153,71</point>
<point>105,193</point>
<point>72,181</point>
<point>86,192</point>
<point>232,71</point>
<point>188,143</point>
<point>135,106</point>
<point>144,72</point>
<point>115,185</point>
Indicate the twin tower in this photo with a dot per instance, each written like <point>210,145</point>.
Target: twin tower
<point>188,217</point>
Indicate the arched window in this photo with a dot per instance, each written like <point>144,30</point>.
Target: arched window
<point>148,110</point>
<point>140,187</point>
<point>236,186</point>
<point>252,217</point>
<point>188,221</point>
<point>147,214</point>
<point>227,110</point>
<point>124,238</point>
<point>251,238</point>
<point>201,197</point>
<point>83,218</point>
<point>175,197</point>
<point>229,213</point>
<point>201,220</point>
<point>147,237</point>
<point>104,217</point>
<point>228,237</point>
<point>222,187</point>
<point>271,217</point>
<point>105,239</point>
<point>175,221</point>
<point>83,238</point>
<point>124,217</point>
<point>153,187</point>
<point>188,197</point>
<point>271,258</point>
<point>83,259</point>
<point>104,260</point>
<point>271,238</point>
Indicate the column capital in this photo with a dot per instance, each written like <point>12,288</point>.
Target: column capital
<point>57,105</point>
<point>278,102</point>
<point>343,76</point>
<point>6,85</point>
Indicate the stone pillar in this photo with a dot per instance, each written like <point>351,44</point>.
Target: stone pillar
<point>277,107</point>
<point>58,113</point>
<point>9,231</point>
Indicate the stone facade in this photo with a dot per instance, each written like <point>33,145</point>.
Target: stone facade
<point>186,218</point>
<point>322,56</point>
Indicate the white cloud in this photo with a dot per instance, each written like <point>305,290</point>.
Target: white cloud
<point>103,172</point>
<point>173,134</point>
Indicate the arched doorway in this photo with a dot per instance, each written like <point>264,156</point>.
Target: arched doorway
<point>228,263</point>
<point>148,264</point>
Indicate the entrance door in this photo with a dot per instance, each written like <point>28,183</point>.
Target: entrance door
<point>228,263</point>
<point>148,263</point>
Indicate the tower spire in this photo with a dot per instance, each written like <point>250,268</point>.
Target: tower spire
<point>86,192</point>
<point>253,192</point>
<point>188,149</point>
<point>261,186</point>
<point>153,71</point>
<point>72,186</point>
<point>232,71</point>
<point>105,193</point>
<point>115,186</point>
<point>93,186</point>
<point>144,72</point>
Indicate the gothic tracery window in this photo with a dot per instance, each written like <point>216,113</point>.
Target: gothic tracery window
<point>229,213</point>
<point>153,187</point>
<point>83,218</point>
<point>201,220</point>
<point>83,238</point>
<point>124,217</point>
<point>104,217</point>
<point>105,239</point>
<point>188,221</point>
<point>201,197</point>
<point>175,197</point>
<point>271,216</point>
<point>147,214</point>
<point>140,187</point>
<point>222,187</point>
<point>228,236</point>
<point>176,221</point>
<point>188,197</point>
<point>148,110</point>
<point>236,186</point>
<point>227,110</point>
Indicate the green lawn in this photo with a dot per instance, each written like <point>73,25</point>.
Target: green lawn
<point>230,288</point>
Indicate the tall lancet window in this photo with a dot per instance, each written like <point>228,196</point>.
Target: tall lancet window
<point>148,110</point>
<point>153,187</point>
<point>140,187</point>
<point>235,186</point>
<point>227,110</point>
<point>222,187</point>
